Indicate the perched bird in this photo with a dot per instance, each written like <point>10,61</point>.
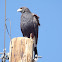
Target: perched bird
<point>29,25</point>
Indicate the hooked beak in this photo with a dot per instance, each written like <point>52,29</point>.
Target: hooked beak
<point>19,10</point>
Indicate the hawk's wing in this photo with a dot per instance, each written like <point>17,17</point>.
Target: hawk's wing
<point>36,24</point>
<point>36,18</point>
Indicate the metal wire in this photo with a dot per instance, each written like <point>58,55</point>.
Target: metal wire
<point>5,31</point>
<point>8,30</point>
<point>5,26</point>
<point>9,37</point>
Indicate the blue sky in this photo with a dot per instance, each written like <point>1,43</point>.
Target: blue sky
<point>50,30</point>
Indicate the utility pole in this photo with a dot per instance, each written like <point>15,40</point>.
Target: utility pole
<point>21,50</point>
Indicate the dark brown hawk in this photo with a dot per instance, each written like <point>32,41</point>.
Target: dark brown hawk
<point>29,25</point>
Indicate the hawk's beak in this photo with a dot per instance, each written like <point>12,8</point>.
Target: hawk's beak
<point>19,10</point>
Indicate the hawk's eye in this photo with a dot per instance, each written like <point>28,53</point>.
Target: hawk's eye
<point>20,8</point>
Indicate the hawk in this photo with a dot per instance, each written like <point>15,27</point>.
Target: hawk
<point>29,25</point>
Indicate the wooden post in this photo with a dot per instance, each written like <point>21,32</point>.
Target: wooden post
<point>21,50</point>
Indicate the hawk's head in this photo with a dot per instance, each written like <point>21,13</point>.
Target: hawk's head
<point>23,10</point>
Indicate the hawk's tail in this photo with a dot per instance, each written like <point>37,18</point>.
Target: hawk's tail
<point>35,49</point>
<point>35,46</point>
